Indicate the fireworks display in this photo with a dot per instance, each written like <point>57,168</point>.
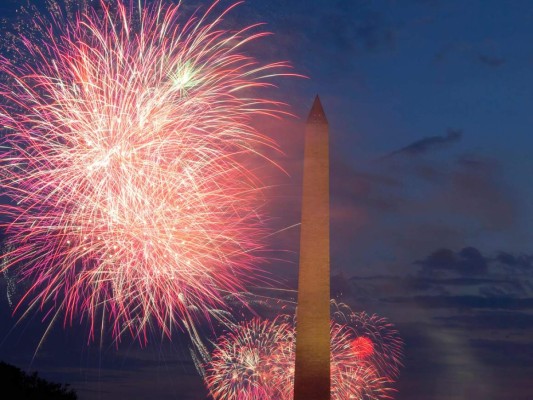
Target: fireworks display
<point>255,360</point>
<point>126,154</point>
<point>129,157</point>
<point>376,339</point>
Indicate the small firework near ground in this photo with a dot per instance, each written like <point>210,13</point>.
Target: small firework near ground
<point>126,153</point>
<point>255,359</point>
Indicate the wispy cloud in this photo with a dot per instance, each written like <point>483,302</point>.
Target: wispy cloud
<point>430,143</point>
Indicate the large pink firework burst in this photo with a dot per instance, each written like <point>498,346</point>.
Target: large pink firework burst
<point>126,155</point>
<point>255,360</point>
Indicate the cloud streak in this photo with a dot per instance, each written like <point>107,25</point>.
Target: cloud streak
<point>428,144</point>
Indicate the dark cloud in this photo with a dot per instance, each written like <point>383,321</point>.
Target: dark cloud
<point>470,52</point>
<point>366,290</point>
<point>427,283</point>
<point>467,261</point>
<point>500,299</point>
<point>497,320</point>
<point>440,259</point>
<point>523,261</point>
<point>467,302</point>
<point>504,276</point>
<point>491,61</point>
<point>475,162</point>
<point>504,351</point>
<point>471,262</point>
<point>429,143</point>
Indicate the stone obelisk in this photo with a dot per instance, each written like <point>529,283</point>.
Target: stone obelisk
<point>312,369</point>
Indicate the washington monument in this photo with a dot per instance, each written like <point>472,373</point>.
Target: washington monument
<point>312,369</point>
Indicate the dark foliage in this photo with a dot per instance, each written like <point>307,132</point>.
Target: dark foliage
<point>18,385</point>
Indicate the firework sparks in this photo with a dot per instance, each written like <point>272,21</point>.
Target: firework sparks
<point>376,339</point>
<point>11,287</point>
<point>255,360</point>
<point>252,362</point>
<point>127,142</point>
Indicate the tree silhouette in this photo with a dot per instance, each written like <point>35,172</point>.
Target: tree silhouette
<point>23,386</point>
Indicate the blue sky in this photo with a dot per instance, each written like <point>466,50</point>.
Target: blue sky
<point>429,105</point>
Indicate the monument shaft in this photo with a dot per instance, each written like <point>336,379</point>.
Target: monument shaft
<point>312,369</point>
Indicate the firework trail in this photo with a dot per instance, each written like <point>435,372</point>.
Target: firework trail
<point>255,360</point>
<point>11,286</point>
<point>126,154</point>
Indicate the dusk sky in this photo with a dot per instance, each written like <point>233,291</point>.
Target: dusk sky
<point>429,104</point>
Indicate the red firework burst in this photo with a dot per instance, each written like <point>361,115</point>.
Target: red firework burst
<point>255,360</point>
<point>363,347</point>
<point>127,140</point>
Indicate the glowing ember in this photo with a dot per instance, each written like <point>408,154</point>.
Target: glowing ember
<point>362,347</point>
<point>127,140</point>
